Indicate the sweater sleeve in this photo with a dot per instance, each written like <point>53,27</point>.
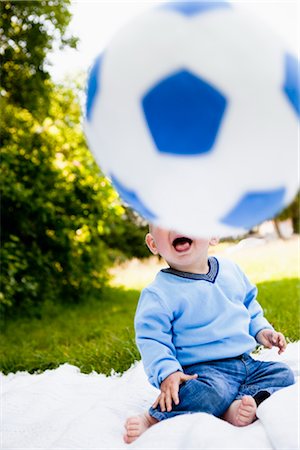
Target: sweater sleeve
<point>153,327</point>
<point>257,320</point>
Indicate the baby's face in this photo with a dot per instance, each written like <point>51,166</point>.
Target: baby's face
<point>178,250</point>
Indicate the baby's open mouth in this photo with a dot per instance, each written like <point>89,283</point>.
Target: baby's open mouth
<point>182,243</point>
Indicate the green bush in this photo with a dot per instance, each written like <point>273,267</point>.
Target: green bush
<point>58,209</point>
<point>127,237</point>
<point>62,222</point>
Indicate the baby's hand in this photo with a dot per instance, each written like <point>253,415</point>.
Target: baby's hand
<point>169,390</point>
<point>270,338</point>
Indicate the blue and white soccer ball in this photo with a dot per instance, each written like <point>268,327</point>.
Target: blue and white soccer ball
<point>192,111</point>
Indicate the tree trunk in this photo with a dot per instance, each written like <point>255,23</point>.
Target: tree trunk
<point>277,229</point>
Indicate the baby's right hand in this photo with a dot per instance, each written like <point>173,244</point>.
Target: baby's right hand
<point>169,389</point>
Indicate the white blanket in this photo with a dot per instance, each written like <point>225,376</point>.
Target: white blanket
<point>65,409</point>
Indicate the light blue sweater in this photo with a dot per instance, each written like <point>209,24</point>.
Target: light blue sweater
<point>184,318</point>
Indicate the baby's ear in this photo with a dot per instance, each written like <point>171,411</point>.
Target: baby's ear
<point>214,241</point>
<point>150,242</point>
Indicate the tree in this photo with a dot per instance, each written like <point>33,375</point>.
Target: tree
<point>56,204</point>
<point>28,31</point>
<point>58,207</point>
<point>62,221</point>
<point>292,211</point>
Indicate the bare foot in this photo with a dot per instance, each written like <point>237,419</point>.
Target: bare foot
<point>241,412</point>
<point>137,425</point>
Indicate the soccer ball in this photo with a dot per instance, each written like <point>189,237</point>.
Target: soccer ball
<point>192,112</point>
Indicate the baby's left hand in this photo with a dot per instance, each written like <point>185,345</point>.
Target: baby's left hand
<point>269,338</point>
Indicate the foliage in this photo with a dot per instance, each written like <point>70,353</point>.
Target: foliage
<point>63,223</point>
<point>61,213</point>
<point>58,208</point>
<point>28,31</point>
<point>127,236</point>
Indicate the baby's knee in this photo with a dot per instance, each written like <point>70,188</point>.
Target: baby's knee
<point>287,375</point>
<point>290,377</point>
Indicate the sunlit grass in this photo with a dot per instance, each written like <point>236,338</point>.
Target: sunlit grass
<point>261,261</point>
<point>273,260</point>
<point>280,301</point>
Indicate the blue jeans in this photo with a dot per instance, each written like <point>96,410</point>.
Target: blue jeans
<point>221,382</point>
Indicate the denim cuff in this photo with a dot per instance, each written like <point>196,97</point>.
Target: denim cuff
<point>256,394</point>
<point>158,415</point>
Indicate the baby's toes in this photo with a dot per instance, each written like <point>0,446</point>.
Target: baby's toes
<point>129,439</point>
<point>248,402</point>
<point>132,421</point>
<point>133,432</point>
<point>243,420</point>
<point>246,411</point>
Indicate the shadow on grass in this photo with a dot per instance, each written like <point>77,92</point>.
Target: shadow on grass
<point>97,334</point>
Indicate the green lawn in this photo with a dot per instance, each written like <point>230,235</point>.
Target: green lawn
<point>99,336</point>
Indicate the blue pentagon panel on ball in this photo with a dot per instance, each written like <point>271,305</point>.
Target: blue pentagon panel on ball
<point>291,85</point>
<point>193,8</point>
<point>255,207</point>
<point>184,114</point>
<point>132,199</point>
<point>93,86</point>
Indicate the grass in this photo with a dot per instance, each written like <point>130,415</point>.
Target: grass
<point>98,335</point>
<point>280,301</point>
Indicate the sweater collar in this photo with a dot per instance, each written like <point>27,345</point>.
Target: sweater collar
<point>211,276</point>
